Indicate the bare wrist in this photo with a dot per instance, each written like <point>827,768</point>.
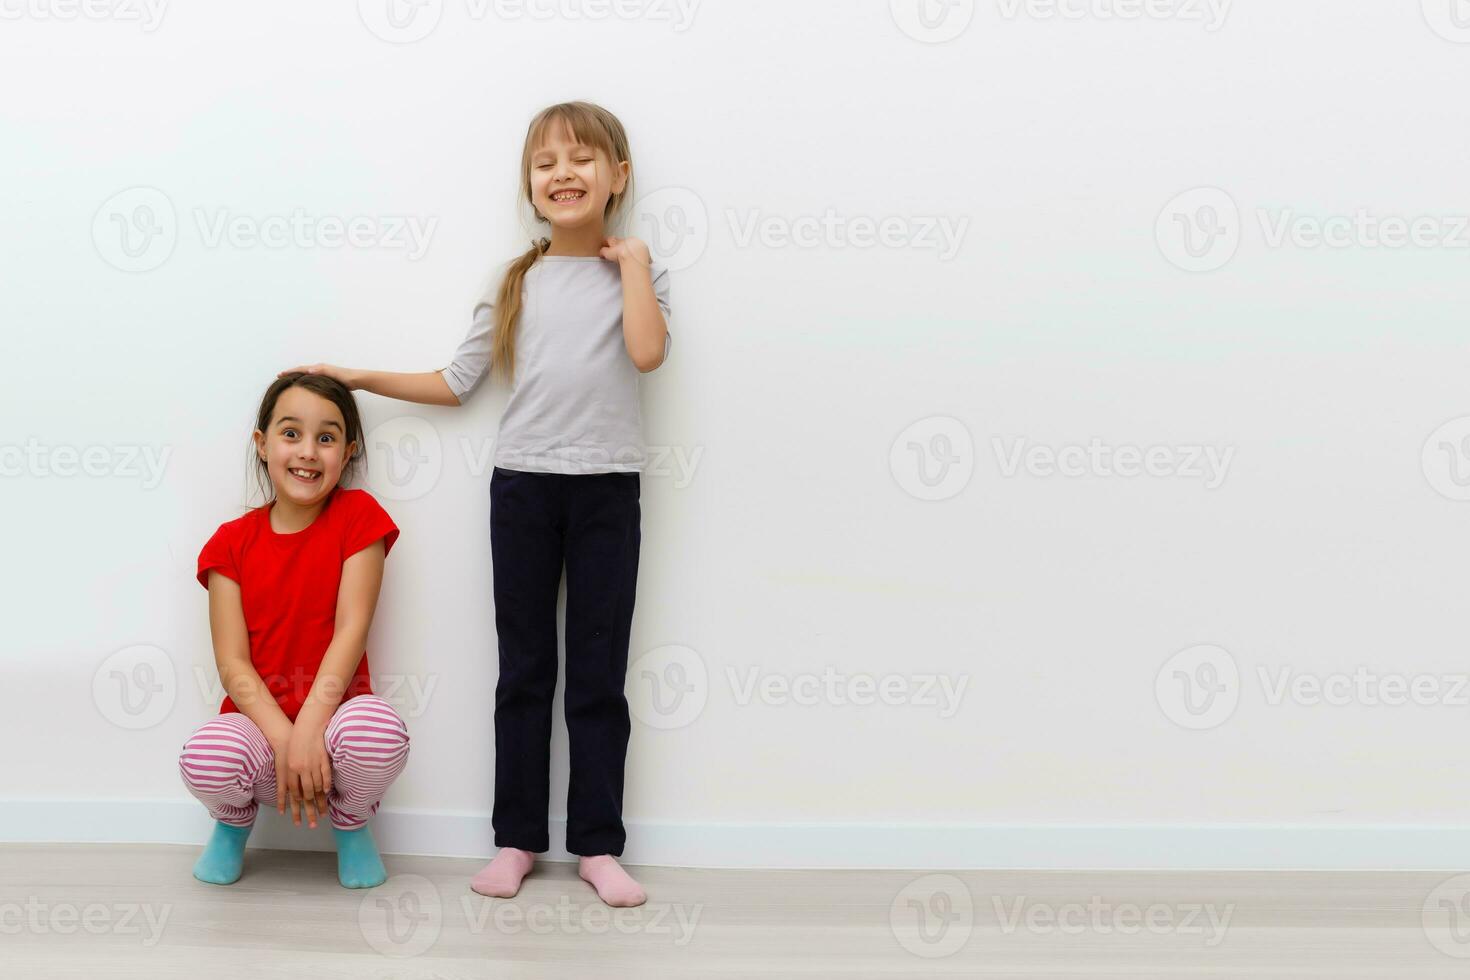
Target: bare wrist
<point>279,731</point>
<point>314,714</point>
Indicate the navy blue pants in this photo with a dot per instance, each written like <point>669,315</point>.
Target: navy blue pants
<point>538,522</point>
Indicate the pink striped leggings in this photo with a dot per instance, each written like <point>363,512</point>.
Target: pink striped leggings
<point>229,767</point>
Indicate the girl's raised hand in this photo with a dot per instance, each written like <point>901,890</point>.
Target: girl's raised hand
<point>345,375</point>
<point>621,249</point>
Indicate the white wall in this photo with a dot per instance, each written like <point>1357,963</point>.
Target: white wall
<point>1053,148</point>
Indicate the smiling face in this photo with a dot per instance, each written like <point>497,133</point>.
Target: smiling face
<point>305,447</point>
<point>572,182</point>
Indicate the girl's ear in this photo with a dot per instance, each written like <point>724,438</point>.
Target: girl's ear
<point>259,445</point>
<point>620,178</point>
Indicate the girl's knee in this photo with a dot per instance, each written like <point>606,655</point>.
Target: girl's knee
<point>368,721</point>
<point>369,707</point>
<point>220,749</point>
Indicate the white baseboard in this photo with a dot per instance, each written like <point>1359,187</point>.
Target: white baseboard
<point>793,845</point>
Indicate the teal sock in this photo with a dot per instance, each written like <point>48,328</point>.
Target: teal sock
<point>224,855</point>
<point>358,864</point>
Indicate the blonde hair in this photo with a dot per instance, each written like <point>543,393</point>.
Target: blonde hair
<point>591,125</point>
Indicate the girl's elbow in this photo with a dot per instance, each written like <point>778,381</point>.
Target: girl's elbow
<point>649,362</point>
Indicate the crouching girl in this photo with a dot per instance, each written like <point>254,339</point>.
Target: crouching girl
<point>292,589</point>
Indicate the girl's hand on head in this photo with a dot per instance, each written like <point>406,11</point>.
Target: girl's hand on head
<point>345,375</point>
<point>625,250</point>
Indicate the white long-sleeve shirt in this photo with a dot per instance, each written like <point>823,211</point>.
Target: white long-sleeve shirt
<point>573,405</point>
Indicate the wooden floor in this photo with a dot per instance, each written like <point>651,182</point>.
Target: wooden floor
<point>135,911</point>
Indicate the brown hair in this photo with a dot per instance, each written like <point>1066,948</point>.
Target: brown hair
<point>597,128</point>
<point>333,391</point>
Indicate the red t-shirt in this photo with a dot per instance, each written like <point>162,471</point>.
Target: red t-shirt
<point>288,588</point>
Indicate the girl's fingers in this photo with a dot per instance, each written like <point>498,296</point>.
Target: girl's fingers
<point>325,786</point>
<point>308,796</point>
<point>294,788</point>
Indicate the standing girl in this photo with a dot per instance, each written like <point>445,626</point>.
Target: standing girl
<point>572,323</point>
<point>292,588</point>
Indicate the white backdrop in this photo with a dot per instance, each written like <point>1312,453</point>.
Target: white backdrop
<point>1063,455</point>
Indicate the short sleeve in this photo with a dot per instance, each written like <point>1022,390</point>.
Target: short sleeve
<point>366,522</point>
<point>219,552</point>
<point>473,356</point>
<point>661,293</point>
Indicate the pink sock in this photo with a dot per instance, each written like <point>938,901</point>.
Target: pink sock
<point>501,878</point>
<point>613,885</point>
